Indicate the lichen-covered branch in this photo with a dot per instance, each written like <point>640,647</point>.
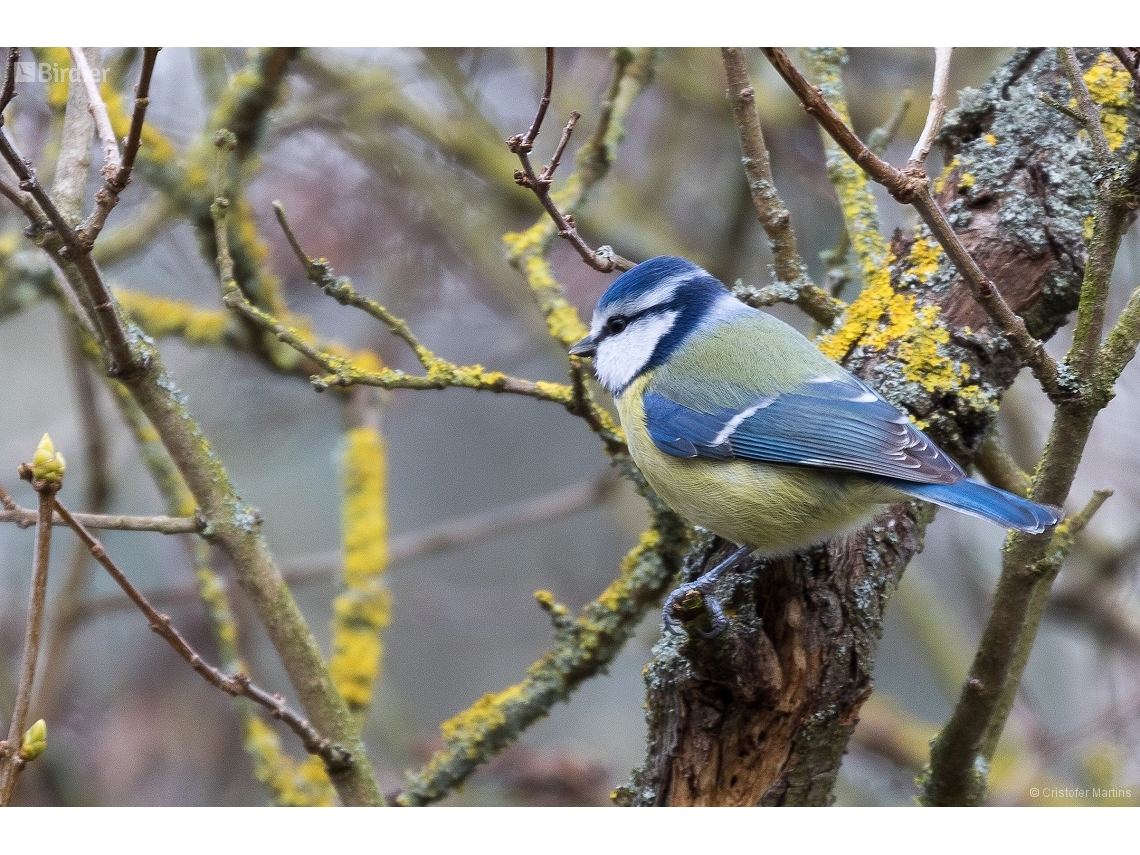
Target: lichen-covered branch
<point>583,647</point>
<point>288,782</point>
<point>860,213</point>
<point>363,609</point>
<point>230,523</point>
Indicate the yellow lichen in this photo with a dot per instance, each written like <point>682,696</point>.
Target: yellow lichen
<point>881,316</point>
<point>991,139</point>
<point>940,181</point>
<point>565,325</point>
<point>1087,228</point>
<point>210,590</point>
<point>472,725</point>
<point>292,785</point>
<point>967,181</point>
<point>161,317</point>
<point>520,243</point>
<point>362,611</point>
<point>616,593</point>
<point>1115,127</point>
<point>1108,83</point>
<point>1111,87</point>
<point>924,258</point>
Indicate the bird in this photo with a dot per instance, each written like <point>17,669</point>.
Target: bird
<point>745,428</point>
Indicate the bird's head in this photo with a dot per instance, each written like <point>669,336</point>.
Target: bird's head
<point>646,314</point>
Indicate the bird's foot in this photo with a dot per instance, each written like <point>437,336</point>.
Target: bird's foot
<point>704,586</point>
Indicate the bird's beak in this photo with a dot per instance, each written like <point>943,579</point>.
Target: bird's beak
<point>583,348</point>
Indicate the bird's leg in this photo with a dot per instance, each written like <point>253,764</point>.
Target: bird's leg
<point>704,584</point>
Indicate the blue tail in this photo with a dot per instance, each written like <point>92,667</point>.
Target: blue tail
<point>989,503</point>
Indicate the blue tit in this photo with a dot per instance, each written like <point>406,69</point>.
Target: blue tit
<point>744,427</point>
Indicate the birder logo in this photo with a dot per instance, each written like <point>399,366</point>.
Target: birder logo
<point>53,72</point>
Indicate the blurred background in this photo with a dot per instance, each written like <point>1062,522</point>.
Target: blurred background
<point>391,164</point>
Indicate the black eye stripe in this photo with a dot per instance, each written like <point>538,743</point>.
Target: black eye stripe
<point>626,321</point>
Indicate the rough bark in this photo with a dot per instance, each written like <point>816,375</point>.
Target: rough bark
<point>763,713</point>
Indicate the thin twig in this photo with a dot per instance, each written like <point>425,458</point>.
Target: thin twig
<point>340,289</point>
<point>97,493</point>
<point>1085,105</point>
<point>116,181</point>
<point>335,757</point>
<point>111,157</point>
<point>547,173</point>
<point>527,142</point>
<point>22,201</point>
<point>912,188</point>
<point>11,766</point>
<point>1049,101</point>
<point>25,518</point>
<point>937,109</point>
<point>603,259</point>
<point>880,138</point>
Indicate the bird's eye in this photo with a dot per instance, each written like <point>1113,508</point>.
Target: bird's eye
<point>617,324</point>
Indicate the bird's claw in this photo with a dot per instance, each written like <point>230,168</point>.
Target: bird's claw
<point>712,604</point>
<point>703,585</point>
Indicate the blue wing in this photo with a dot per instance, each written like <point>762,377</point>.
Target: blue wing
<point>832,422</point>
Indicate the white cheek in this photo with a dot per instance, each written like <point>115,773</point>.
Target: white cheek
<point>621,357</point>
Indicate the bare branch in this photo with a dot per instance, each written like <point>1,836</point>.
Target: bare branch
<point>116,181</point>
<point>75,251</point>
<point>25,518</point>
<point>937,109</point>
<point>770,209</point>
<point>527,142</point>
<point>10,766</point>
<point>111,157</point>
<point>341,290</point>
<point>21,200</point>
<point>603,259</point>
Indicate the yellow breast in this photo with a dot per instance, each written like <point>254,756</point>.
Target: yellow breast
<point>776,509</point>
